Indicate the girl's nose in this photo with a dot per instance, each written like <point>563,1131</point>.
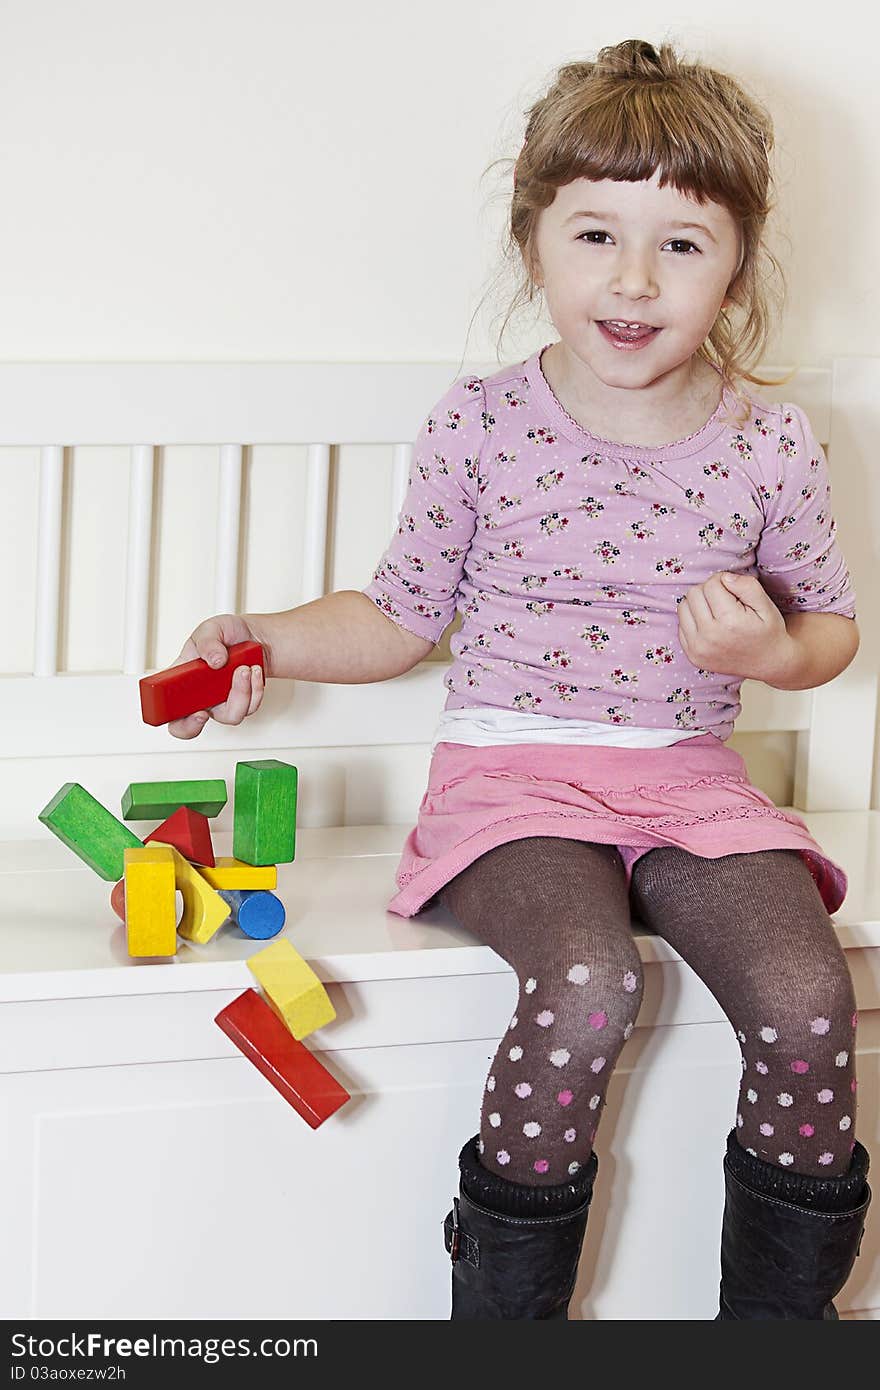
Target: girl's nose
<point>634,277</point>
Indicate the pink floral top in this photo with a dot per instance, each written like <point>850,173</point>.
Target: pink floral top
<point>567,555</point>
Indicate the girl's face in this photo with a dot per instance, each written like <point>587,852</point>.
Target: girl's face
<point>618,251</point>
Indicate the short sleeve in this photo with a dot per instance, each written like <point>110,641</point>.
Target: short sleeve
<point>798,559</point>
<point>416,581</point>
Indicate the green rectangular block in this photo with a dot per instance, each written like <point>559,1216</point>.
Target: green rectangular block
<point>158,800</point>
<point>90,830</point>
<point>264,819</point>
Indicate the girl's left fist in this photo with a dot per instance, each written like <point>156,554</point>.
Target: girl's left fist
<point>729,625</point>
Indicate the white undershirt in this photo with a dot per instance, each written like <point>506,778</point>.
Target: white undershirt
<point>485,725</point>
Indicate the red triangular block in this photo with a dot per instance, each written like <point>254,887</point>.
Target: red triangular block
<point>189,832</point>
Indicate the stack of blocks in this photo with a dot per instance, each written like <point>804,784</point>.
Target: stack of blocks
<point>178,855</point>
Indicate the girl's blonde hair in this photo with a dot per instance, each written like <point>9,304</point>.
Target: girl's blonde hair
<point>632,111</point>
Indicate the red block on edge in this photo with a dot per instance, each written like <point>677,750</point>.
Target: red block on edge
<point>294,1071</point>
<point>181,690</point>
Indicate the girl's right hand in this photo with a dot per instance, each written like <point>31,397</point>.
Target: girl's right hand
<point>210,641</point>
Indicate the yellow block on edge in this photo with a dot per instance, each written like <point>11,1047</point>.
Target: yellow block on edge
<point>204,911</point>
<point>235,873</point>
<point>150,901</point>
<point>292,988</point>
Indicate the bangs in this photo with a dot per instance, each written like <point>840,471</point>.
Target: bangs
<point>628,134</point>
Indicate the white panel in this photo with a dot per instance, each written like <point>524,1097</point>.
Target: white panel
<point>187,533</point>
<point>228,529</point>
<point>19,525</point>
<point>835,755</point>
<point>95,564</point>
<point>107,1179</point>
<point>137,579</point>
<point>49,561</point>
<point>361,525</point>
<point>198,403</point>
<point>316,522</point>
<point>274,526</point>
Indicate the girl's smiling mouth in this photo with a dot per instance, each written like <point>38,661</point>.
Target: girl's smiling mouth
<point>626,338</point>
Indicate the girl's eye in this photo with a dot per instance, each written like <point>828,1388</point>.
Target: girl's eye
<point>676,241</point>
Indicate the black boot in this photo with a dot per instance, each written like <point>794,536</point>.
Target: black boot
<point>788,1240</point>
<point>515,1248</point>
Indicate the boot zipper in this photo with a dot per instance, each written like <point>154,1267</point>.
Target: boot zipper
<point>456,1238</point>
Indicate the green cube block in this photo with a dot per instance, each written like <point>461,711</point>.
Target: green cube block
<point>90,830</point>
<point>264,821</point>
<point>158,800</point>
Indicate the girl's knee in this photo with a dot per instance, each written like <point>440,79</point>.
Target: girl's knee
<point>580,1010</point>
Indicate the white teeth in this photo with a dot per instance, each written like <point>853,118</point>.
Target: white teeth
<point>619,323</point>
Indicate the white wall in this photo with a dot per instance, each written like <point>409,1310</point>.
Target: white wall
<point>212,180</point>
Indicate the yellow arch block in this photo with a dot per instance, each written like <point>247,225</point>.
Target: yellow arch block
<point>292,988</point>
<point>204,911</point>
<point>150,901</point>
<point>235,873</point>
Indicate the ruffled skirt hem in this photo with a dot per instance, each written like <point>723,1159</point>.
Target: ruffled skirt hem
<point>695,795</point>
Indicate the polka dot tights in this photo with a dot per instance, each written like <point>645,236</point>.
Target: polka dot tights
<point>752,926</point>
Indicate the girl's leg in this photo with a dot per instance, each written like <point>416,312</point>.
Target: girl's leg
<point>755,929</point>
<point>558,911</point>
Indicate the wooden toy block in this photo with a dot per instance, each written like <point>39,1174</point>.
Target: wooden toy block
<point>204,911</point>
<point>90,830</point>
<point>258,914</point>
<point>264,819</point>
<point>294,1071</point>
<point>154,800</point>
<point>293,989</point>
<point>150,901</point>
<point>188,831</point>
<point>181,690</point>
<point>117,900</point>
<point>231,873</point>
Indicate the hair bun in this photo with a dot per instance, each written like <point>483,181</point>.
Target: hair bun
<point>636,58</point>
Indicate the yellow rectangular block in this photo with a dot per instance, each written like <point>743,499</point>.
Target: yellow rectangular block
<point>235,873</point>
<point>150,901</point>
<point>292,988</point>
<point>204,911</point>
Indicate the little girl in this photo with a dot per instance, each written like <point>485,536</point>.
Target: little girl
<point>628,533</point>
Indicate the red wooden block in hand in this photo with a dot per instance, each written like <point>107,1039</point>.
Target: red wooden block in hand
<point>294,1071</point>
<point>181,690</point>
<point>189,832</point>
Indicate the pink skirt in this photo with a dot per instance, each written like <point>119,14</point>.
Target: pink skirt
<point>695,794</point>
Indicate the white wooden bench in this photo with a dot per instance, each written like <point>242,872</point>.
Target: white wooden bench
<point>147,1169</point>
